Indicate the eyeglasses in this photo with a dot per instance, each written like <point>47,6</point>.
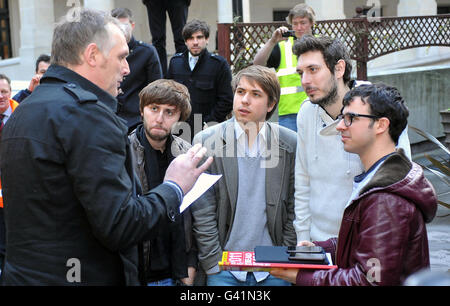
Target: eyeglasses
<point>348,117</point>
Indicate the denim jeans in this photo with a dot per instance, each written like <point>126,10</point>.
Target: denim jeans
<point>162,282</point>
<point>288,121</point>
<point>225,278</point>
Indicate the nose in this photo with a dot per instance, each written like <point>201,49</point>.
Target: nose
<point>125,68</point>
<point>306,79</point>
<point>245,98</point>
<point>341,126</point>
<point>160,116</point>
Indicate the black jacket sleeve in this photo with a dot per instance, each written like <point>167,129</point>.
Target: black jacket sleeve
<point>97,164</point>
<point>154,70</point>
<point>224,98</point>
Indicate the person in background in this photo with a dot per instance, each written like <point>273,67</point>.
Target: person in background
<point>383,236</point>
<point>277,53</point>
<point>7,106</point>
<point>206,75</point>
<point>178,13</point>
<point>144,69</point>
<point>42,63</point>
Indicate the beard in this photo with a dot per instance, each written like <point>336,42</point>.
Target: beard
<point>156,137</point>
<point>330,96</point>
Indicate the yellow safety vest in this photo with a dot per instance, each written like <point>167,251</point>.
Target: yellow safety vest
<point>292,93</point>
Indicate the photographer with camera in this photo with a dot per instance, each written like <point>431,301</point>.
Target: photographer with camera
<point>277,53</point>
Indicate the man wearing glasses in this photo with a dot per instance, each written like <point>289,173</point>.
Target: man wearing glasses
<point>383,237</point>
<point>323,170</point>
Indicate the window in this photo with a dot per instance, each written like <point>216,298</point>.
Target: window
<point>237,10</point>
<point>5,36</point>
<point>280,15</point>
<point>443,9</point>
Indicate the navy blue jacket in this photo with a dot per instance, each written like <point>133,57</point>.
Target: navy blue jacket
<point>21,95</point>
<point>144,69</point>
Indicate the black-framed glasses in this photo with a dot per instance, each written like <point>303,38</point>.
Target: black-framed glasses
<point>348,117</point>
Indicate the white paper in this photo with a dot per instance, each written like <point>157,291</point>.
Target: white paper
<point>204,182</point>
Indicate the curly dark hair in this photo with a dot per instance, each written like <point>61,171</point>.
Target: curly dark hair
<point>193,26</point>
<point>332,50</point>
<point>384,101</point>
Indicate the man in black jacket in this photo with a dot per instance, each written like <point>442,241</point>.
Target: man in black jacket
<point>206,75</point>
<point>72,214</point>
<point>144,69</point>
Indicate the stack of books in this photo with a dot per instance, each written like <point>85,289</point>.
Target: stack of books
<point>265,258</point>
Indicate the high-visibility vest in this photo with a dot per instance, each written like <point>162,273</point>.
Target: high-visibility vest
<point>13,105</point>
<point>292,93</point>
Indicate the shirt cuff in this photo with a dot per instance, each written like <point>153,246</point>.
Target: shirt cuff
<point>213,270</point>
<point>177,189</point>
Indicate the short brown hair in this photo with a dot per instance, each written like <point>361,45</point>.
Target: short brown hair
<point>169,92</point>
<point>71,37</point>
<point>266,78</point>
<point>8,80</point>
<point>301,10</point>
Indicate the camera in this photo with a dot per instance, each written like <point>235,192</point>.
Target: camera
<point>288,33</point>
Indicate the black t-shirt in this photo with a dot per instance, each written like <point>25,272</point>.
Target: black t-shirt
<point>168,246</point>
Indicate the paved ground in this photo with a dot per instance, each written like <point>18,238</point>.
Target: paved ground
<point>439,228</point>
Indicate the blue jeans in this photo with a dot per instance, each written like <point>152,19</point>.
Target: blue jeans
<point>288,121</point>
<point>162,282</point>
<point>225,278</point>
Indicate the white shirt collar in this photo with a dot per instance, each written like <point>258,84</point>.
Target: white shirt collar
<point>242,142</point>
<point>190,56</point>
<point>7,114</point>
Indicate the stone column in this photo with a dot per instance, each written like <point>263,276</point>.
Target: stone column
<point>36,31</point>
<point>246,11</point>
<point>104,5</point>
<point>326,9</point>
<point>225,11</point>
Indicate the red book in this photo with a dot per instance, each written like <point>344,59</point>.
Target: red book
<point>245,261</point>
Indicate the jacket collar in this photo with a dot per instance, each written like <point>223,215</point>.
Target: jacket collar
<point>56,73</point>
<point>200,56</point>
<point>132,43</point>
<point>272,133</point>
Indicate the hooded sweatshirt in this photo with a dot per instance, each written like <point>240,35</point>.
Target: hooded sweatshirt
<point>383,237</point>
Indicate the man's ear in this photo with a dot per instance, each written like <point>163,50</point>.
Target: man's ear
<point>339,69</point>
<point>90,54</point>
<point>271,106</point>
<point>383,124</point>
